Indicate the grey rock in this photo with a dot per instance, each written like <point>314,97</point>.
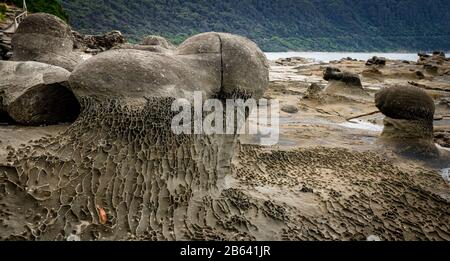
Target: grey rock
<point>216,64</point>
<point>33,93</point>
<point>408,125</point>
<point>155,40</point>
<point>313,92</point>
<point>381,61</point>
<point>45,38</point>
<point>148,48</point>
<point>98,42</point>
<point>405,102</point>
<point>334,74</point>
<point>245,67</point>
<point>289,109</point>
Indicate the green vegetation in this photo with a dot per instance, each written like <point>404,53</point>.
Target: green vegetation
<point>277,25</point>
<point>45,6</point>
<point>3,9</point>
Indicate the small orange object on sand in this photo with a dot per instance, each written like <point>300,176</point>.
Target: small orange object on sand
<point>102,215</point>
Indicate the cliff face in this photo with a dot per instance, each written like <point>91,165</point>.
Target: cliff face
<point>347,25</point>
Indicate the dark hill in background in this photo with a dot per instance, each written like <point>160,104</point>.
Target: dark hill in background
<point>46,6</point>
<point>331,25</point>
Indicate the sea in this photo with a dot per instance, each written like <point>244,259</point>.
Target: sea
<point>333,56</point>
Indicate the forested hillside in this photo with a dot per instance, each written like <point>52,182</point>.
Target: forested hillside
<point>47,6</point>
<point>347,25</point>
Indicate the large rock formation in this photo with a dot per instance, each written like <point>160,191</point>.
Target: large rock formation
<point>151,43</point>
<point>409,119</point>
<point>45,38</point>
<point>119,172</point>
<point>342,83</point>
<point>380,61</point>
<point>313,92</point>
<point>98,43</point>
<point>334,74</point>
<point>435,64</point>
<point>33,93</point>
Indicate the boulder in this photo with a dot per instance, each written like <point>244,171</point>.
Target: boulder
<point>313,92</point>
<point>244,67</point>
<point>292,109</point>
<point>376,61</point>
<point>45,38</point>
<point>423,55</point>
<point>334,74</point>
<point>343,83</point>
<point>439,54</point>
<point>155,40</point>
<point>419,75</point>
<point>216,64</point>
<point>437,58</point>
<point>405,102</point>
<point>408,124</point>
<point>33,93</point>
<point>431,68</point>
<point>293,61</point>
<point>98,42</point>
<point>148,48</point>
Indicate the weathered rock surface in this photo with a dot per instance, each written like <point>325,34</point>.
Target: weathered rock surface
<point>404,102</point>
<point>227,64</point>
<point>342,82</point>
<point>434,64</point>
<point>313,92</point>
<point>409,120</point>
<point>120,172</point>
<point>45,38</point>
<point>334,74</point>
<point>292,61</point>
<point>98,43</point>
<point>381,61</point>
<point>156,40</point>
<point>148,48</point>
<point>33,93</point>
<point>289,108</point>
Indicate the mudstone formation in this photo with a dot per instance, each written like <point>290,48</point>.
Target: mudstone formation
<point>45,38</point>
<point>409,117</point>
<point>342,83</point>
<point>119,172</point>
<point>33,93</point>
<point>97,43</point>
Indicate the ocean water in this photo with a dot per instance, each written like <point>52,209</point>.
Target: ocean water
<point>331,56</point>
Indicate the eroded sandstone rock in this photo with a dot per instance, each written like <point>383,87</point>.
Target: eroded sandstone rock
<point>342,83</point>
<point>289,108</point>
<point>409,115</point>
<point>119,172</point>
<point>313,92</point>
<point>380,61</point>
<point>156,40</point>
<point>334,74</point>
<point>404,102</point>
<point>98,43</point>
<point>45,38</point>
<point>33,93</point>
